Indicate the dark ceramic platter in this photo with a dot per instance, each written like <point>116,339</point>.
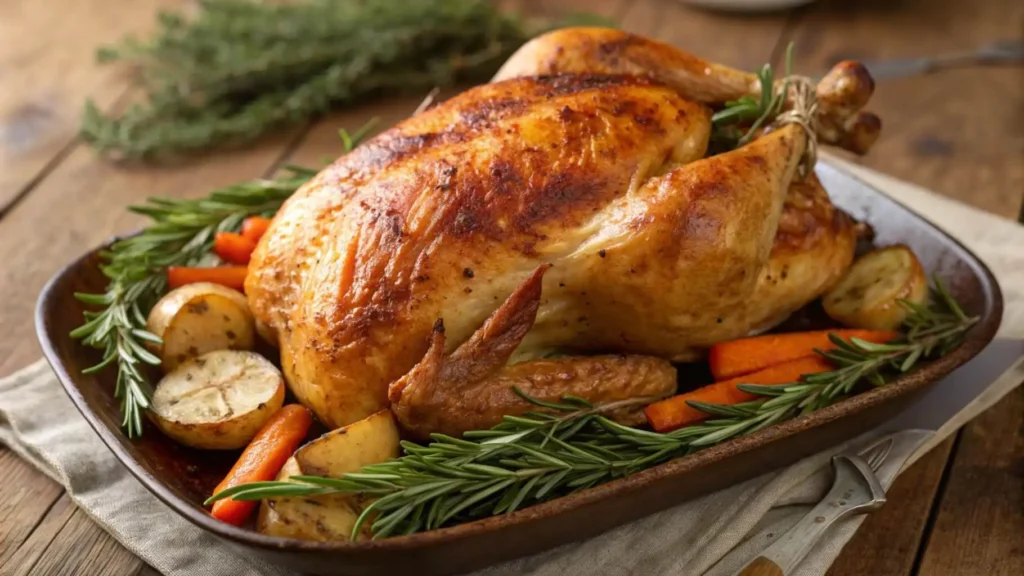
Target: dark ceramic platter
<point>182,478</point>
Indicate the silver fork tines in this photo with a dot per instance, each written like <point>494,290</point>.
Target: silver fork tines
<point>876,454</point>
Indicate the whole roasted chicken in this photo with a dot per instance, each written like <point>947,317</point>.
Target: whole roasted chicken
<point>561,230</point>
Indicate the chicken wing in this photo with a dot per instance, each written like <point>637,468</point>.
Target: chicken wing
<point>474,387</point>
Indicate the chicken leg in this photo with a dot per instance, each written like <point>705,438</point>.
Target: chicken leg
<point>841,94</point>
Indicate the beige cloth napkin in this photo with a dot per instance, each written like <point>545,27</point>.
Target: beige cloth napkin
<point>713,535</point>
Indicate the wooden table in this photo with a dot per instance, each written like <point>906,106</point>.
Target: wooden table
<point>960,510</point>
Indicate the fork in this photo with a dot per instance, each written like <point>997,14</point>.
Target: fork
<point>1002,52</point>
<point>855,490</point>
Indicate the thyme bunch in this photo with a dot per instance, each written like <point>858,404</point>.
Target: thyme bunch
<point>240,68</point>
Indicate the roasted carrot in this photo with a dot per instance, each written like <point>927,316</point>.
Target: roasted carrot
<point>739,357</point>
<point>233,248</point>
<point>674,412</point>
<point>262,459</point>
<point>230,276</point>
<point>254,227</point>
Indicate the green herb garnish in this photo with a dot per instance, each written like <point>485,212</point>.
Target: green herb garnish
<point>539,456</point>
<point>737,122</point>
<point>181,235</point>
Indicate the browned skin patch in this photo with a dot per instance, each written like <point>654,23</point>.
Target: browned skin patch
<point>472,388</point>
<point>360,263</point>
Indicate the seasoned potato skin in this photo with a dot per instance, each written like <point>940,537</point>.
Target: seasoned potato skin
<point>319,518</point>
<point>868,295</point>
<point>228,433</point>
<point>370,440</point>
<point>199,318</point>
<point>323,518</point>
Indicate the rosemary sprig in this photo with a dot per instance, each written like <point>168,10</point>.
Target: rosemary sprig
<point>240,68</point>
<point>539,456</point>
<point>928,333</point>
<point>523,460</point>
<point>181,235</point>
<point>752,113</point>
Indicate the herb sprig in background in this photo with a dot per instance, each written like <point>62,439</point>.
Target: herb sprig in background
<point>240,68</point>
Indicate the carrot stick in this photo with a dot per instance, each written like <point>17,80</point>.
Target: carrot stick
<point>262,459</point>
<point>230,276</point>
<point>738,357</point>
<point>674,412</point>
<point>254,227</point>
<point>233,248</point>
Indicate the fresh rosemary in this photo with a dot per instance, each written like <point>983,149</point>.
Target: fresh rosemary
<point>240,68</point>
<point>543,455</point>
<point>181,235</point>
<point>738,121</point>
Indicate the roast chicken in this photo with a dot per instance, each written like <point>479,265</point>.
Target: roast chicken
<point>560,230</point>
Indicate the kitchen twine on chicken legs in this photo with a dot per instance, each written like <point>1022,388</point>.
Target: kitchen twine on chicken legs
<point>802,113</point>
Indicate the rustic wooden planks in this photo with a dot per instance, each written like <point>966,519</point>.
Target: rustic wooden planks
<point>979,524</point>
<point>80,547</point>
<point>26,496</point>
<point>48,68</point>
<point>956,132</point>
<point>30,551</point>
<point>960,141</point>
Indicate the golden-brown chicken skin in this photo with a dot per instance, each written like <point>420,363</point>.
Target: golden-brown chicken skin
<point>474,387</point>
<point>445,214</point>
<point>654,249</point>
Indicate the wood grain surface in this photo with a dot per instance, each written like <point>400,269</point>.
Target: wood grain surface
<point>957,511</point>
<point>979,519</point>
<point>47,54</point>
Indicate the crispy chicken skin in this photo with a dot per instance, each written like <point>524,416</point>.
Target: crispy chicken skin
<point>474,387</point>
<point>653,250</point>
<point>842,93</point>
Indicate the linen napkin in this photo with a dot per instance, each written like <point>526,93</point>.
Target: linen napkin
<point>714,535</point>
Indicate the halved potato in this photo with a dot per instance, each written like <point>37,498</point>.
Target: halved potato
<point>867,295</point>
<point>369,441</point>
<point>200,318</point>
<point>219,400</point>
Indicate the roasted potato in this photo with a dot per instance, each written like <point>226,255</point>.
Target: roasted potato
<point>218,400</point>
<point>867,295</point>
<point>369,441</point>
<point>320,518</point>
<point>266,333</point>
<point>200,318</point>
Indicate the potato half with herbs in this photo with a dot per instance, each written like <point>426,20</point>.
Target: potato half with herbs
<point>219,400</point>
<point>331,517</point>
<point>200,318</point>
<point>868,295</point>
